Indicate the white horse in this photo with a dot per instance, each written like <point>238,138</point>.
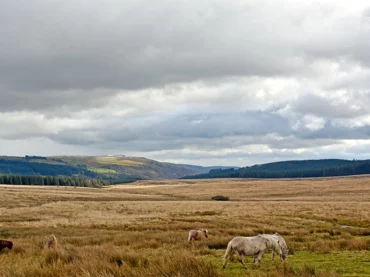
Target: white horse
<point>250,246</point>
<point>197,234</point>
<point>283,246</point>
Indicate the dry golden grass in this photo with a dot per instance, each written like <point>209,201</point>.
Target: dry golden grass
<point>141,229</point>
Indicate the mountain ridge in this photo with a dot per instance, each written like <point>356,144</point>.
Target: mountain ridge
<point>120,168</point>
<point>114,168</point>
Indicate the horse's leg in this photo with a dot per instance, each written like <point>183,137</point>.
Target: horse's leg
<point>190,237</point>
<point>255,258</point>
<point>241,260</point>
<point>228,254</point>
<point>226,259</point>
<point>259,259</point>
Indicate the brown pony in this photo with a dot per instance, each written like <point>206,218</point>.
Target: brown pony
<point>50,241</point>
<point>197,234</point>
<point>6,244</point>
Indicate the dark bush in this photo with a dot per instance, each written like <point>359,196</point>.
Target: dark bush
<point>220,198</point>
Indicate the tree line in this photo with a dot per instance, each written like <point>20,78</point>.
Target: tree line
<point>26,167</point>
<point>306,170</point>
<point>51,181</point>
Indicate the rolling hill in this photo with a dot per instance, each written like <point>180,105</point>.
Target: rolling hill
<point>121,169</point>
<point>293,169</point>
<point>112,168</point>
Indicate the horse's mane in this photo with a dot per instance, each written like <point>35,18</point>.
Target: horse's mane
<point>273,244</point>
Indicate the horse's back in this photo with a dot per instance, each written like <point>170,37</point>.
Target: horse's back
<point>194,235</point>
<point>248,245</point>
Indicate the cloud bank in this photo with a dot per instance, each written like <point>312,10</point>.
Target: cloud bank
<point>201,82</point>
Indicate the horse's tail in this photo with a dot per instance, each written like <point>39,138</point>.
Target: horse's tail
<point>228,253</point>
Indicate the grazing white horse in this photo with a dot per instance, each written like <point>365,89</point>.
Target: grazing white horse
<point>197,234</point>
<point>250,246</point>
<point>283,246</point>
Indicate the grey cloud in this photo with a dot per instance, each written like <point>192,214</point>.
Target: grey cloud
<point>201,126</point>
<point>154,78</point>
<point>54,103</point>
<point>210,131</point>
<point>362,40</point>
<point>334,132</point>
<point>246,158</point>
<point>63,46</point>
<point>335,107</point>
<point>71,137</point>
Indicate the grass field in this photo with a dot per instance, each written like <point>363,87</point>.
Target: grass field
<point>118,161</point>
<point>102,170</point>
<point>141,229</point>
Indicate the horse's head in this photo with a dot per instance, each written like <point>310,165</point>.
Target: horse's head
<point>284,254</point>
<point>205,232</point>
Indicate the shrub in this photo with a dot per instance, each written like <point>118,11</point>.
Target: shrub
<point>220,198</point>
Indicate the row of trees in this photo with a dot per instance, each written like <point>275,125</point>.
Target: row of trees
<point>51,181</point>
<point>26,167</point>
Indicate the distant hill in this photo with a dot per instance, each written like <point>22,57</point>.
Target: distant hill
<point>293,169</point>
<point>206,169</point>
<point>119,169</point>
<point>111,168</point>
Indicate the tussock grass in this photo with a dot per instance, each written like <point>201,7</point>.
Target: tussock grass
<point>141,229</point>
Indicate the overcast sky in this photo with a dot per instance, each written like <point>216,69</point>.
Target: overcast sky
<point>218,82</point>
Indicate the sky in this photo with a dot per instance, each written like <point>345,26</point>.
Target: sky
<point>218,82</point>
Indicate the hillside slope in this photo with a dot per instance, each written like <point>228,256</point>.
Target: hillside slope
<point>293,169</point>
<point>113,168</point>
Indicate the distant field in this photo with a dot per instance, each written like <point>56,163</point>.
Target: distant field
<point>102,170</point>
<point>141,229</point>
<point>118,161</point>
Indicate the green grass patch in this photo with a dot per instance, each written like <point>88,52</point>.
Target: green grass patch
<point>301,264</point>
<point>103,170</point>
<point>118,161</point>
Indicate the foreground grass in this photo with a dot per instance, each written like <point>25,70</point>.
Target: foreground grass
<point>303,263</point>
<point>141,230</point>
<point>83,258</point>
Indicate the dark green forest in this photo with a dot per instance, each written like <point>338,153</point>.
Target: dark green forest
<point>293,169</point>
<point>38,166</point>
<point>51,181</point>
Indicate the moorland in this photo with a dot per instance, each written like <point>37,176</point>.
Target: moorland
<point>140,229</point>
